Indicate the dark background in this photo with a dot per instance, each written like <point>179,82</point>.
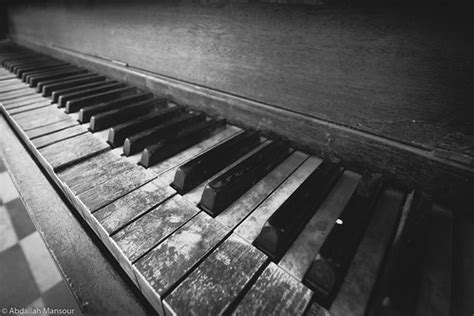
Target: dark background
<point>3,21</point>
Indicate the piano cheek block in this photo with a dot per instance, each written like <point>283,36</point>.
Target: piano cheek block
<point>320,278</point>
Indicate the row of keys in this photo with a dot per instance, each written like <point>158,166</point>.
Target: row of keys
<point>167,127</point>
<point>228,170</point>
<point>106,103</point>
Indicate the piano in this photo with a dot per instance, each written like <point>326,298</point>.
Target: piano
<point>220,201</point>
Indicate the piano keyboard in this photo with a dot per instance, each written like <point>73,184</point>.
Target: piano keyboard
<point>208,218</point>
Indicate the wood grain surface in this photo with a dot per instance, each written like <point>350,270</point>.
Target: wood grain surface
<point>149,230</point>
<point>78,176</point>
<point>275,292</point>
<point>171,260</point>
<point>72,150</point>
<point>49,139</point>
<point>133,205</point>
<point>39,117</point>
<point>95,171</point>
<point>118,185</point>
<point>51,128</point>
<point>29,107</point>
<point>397,73</point>
<point>215,284</point>
<point>19,102</point>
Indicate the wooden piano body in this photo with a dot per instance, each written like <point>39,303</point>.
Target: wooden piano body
<point>383,89</point>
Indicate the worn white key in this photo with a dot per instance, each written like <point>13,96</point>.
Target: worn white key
<point>243,206</point>
<point>300,255</point>
<point>252,225</point>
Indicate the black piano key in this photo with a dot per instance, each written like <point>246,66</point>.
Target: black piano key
<point>12,65</point>
<point>34,63</point>
<point>178,142</point>
<point>28,74</point>
<point>47,70</point>
<point>86,112</point>
<point>25,76</point>
<point>399,285</point>
<point>55,73</point>
<point>63,96</point>
<point>18,62</point>
<point>79,89</point>
<point>41,84</point>
<point>75,105</point>
<point>33,81</point>
<point>139,141</point>
<point>282,228</point>
<point>118,133</point>
<point>194,172</point>
<point>20,70</point>
<point>226,188</point>
<point>39,87</point>
<point>12,59</point>
<point>49,89</point>
<point>328,269</point>
<point>110,118</point>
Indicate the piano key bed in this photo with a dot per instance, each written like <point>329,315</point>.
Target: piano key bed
<point>207,218</point>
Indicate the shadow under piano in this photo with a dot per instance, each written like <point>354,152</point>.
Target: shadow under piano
<point>246,157</point>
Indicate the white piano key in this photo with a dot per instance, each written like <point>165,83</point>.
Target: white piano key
<point>252,225</point>
<point>300,255</point>
<point>243,206</point>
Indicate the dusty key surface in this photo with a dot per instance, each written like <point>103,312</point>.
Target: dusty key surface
<point>214,286</point>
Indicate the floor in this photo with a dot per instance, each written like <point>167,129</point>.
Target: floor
<point>29,278</point>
